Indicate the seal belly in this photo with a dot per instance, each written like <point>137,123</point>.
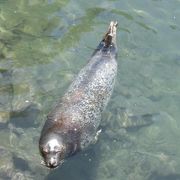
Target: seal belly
<point>77,117</point>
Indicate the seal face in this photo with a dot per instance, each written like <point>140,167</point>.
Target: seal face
<point>73,124</point>
<point>52,151</point>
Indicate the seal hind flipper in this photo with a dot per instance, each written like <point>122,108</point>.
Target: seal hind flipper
<point>108,43</point>
<point>110,36</point>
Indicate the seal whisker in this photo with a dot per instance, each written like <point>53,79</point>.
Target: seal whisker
<point>42,163</point>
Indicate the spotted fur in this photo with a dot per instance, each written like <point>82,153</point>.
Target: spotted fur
<point>77,117</point>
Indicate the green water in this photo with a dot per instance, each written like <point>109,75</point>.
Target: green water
<point>43,45</point>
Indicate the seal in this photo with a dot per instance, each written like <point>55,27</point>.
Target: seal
<point>74,122</point>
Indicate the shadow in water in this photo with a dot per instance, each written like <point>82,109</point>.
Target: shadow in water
<point>3,126</point>
<point>25,118</point>
<point>20,163</point>
<point>81,166</point>
<point>156,176</point>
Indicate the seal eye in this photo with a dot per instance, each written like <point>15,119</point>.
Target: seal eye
<point>45,150</point>
<point>57,149</point>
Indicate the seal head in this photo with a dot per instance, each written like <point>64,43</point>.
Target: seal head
<point>52,151</point>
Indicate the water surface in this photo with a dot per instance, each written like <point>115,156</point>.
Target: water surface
<point>43,45</point>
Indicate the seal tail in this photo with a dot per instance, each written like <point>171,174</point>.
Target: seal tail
<point>110,36</point>
<point>108,43</point>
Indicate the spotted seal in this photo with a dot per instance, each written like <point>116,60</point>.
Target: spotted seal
<point>73,124</point>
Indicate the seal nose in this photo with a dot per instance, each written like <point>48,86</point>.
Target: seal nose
<point>52,162</point>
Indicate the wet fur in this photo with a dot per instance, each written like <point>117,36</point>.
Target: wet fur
<point>77,117</point>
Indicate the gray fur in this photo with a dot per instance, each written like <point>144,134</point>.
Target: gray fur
<point>77,117</point>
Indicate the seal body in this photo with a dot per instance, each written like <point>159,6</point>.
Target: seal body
<point>73,124</point>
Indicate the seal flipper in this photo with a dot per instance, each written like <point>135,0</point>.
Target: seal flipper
<point>108,43</point>
<point>110,36</point>
<point>135,122</point>
<point>96,136</point>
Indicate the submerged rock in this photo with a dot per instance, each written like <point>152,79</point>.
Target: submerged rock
<point>6,91</point>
